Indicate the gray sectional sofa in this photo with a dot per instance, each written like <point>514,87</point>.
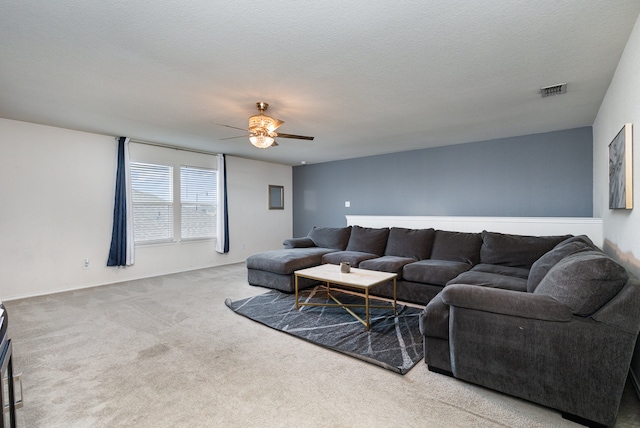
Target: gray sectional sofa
<point>551,319</point>
<point>426,260</point>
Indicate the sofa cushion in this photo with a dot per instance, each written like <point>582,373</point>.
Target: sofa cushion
<point>352,257</point>
<point>305,242</point>
<point>287,261</point>
<point>515,250</point>
<point>457,246</point>
<point>330,237</point>
<point>488,279</point>
<point>436,272</point>
<point>584,281</point>
<point>502,270</point>
<point>567,247</point>
<point>368,240</point>
<point>391,264</point>
<point>414,243</point>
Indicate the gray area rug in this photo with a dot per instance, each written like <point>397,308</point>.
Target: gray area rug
<point>394,343</point>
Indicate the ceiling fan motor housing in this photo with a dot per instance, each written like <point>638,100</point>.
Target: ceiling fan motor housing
<point>262,124</point>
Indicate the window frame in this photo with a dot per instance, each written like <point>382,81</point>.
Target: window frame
<point>168,204</point>
<point>213,205</point>
<point>176,159</point>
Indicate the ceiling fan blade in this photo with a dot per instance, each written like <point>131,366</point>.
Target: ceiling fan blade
<point>232,138</point>
<point>297,137</point>
<point>229,126</point>
<point>274,144</point>
<point>275,125</point>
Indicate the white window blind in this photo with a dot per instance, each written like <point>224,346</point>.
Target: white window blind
<point>152,194</point>
<point>198,199</point>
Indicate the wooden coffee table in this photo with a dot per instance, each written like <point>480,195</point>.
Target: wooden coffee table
<point>360,279</point>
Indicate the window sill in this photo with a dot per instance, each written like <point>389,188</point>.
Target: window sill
<point>196,240</point>
<point>174,242</point>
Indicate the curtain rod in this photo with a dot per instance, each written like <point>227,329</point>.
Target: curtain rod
<point>169,146</point>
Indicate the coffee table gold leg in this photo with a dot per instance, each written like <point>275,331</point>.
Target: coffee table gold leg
<point>296,281</point>
<point>366,304</point>
<point>395,299</point>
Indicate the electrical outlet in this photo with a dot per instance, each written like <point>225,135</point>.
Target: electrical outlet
<point>85,264</point>
<point>347,204</point>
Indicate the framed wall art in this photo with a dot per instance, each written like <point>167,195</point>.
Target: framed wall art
<point>621,169</point>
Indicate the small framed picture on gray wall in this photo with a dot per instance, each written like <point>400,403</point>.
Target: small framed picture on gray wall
<point>276,197</point>
<point>621,169</point>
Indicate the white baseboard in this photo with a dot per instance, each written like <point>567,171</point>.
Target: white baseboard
<point>114,281</point>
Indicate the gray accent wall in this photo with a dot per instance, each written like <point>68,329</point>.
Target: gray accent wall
<point>539,175</point>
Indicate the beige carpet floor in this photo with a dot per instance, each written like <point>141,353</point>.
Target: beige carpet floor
<point>167,352</point>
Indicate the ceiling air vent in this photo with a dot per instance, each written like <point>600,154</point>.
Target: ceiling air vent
<point>548,91</point>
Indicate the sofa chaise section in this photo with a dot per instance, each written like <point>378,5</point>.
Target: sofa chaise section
<point>274,269</point>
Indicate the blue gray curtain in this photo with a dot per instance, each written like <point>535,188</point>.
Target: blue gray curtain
<point>222,243</point>
<point>121,251</point>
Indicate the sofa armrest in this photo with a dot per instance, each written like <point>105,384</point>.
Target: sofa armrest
<point>298,243</point>
<point>506,302</point>
<point>578,367</point>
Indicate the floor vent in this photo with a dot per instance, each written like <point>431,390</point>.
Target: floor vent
<point>548,91</point>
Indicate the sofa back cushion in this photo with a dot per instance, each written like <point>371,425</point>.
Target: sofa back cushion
<point>541,267</point>
<point>412,243</point>
<point>368,240</point>
<point>515,250</point>
<point>457,246</point>
<point>584,281</point>
<point>330,237</point>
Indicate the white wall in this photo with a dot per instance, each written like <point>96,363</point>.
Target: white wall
<point>621,228</point>
<point>57,191</point>
<point>621,104</point>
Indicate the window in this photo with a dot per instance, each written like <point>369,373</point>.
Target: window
<point>174,194</point>
<point>198,200</point>
<point>152,199</point>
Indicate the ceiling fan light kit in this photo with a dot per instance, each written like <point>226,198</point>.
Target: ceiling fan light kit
<point>261,141</point>
<point>262,129</point>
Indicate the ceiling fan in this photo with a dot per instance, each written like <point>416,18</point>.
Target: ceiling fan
<point>262,129</point>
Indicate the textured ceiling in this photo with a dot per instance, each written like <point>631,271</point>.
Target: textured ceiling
<point>362,77</point>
